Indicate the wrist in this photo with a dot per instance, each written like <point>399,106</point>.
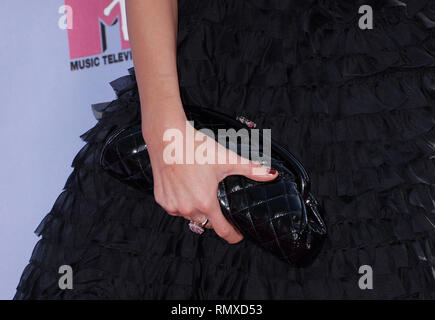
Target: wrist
<point>157,119</point>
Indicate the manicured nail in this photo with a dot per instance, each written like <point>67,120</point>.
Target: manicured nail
<point>272,171</point>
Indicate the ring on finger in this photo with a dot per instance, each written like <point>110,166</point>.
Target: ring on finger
<point>197,227</point>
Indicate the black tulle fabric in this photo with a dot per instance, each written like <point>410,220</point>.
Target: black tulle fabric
<point>357,107</point>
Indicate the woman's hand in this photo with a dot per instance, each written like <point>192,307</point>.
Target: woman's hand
<point>190,190</point>
<point>187,190</point>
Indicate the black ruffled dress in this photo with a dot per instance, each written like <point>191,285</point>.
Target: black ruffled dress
<point>357,107</point>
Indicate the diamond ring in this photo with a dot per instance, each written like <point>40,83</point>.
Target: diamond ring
<point>197,227</point>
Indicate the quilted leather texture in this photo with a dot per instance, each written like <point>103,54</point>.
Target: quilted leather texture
<point>281,216</point>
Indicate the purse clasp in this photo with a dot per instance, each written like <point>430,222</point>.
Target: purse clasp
<point>249,123</point>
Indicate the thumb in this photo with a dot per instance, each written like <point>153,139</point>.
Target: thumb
<point>254,170</point>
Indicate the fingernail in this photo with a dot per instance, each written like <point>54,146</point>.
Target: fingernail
<point>272,171</point>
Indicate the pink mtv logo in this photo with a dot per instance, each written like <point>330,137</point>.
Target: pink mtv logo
<point>90,18</point>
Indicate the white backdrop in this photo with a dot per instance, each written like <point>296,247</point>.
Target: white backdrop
<point>44,107</point>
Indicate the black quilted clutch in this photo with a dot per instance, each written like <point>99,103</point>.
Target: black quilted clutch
<point>282,215</point>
